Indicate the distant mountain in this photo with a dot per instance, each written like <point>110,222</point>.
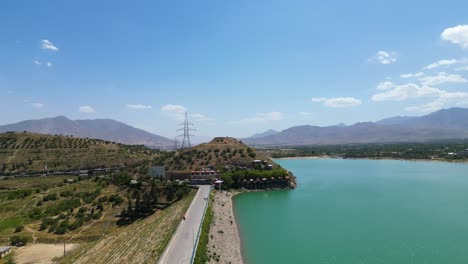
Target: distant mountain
<point>443,124</point>
<point>395,120</point>
<point>264,134</point>
<point>105,129</point>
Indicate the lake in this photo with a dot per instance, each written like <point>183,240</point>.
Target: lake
<point>359,211</point>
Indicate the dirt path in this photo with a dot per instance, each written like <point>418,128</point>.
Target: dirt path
<point>41,253</point>
<point>33,232</point>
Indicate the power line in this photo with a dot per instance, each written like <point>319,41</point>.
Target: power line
<point>186,136</point>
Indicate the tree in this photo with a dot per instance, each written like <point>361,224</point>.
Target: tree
<point>154,193</point>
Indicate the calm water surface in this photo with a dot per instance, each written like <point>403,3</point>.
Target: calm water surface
<point>359,211</point>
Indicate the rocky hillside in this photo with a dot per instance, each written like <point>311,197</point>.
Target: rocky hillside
<point>220,153</point>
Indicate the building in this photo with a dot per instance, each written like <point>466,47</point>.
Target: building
<point>157,172</point>
<point>4,251</point>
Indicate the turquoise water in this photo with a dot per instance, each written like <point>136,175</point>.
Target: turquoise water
<point>359,211</point>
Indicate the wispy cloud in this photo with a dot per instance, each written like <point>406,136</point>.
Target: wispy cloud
<point>338,102</point>
<point>442,78</point>
<point>385,85</point>
<point>456,35</point>
<point>37,62</point>
<point>139,106</point>
<point>404,92</point>
<point>261,118</point>
<point>412,75</point>
<point>38,105</point>
<point>384,57</point>
<point>49,64</point>
<point>201,118</point>
<point>439,98</point>
<point>46,44</point>
<point>305,113</point>
<point>175,111</point>
<point>440,63</point>
<point>86,109</point>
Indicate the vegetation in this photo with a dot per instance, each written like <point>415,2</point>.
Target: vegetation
<point>222,153</point>
<point>233,179</point>
<point>202,255</point>
<point>449,151</point>
<point>30,153</point>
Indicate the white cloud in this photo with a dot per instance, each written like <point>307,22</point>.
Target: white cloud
<point>176,111</point>
<point>444,99</point>
<point>456,35</point>
<point>463,68</point>
<point>440,63</point>
<point>139,106</point>
<point>49,64</point>
<point>37,62</point>
<point>384,57</point>
<point>305,113</point>
<point>46,44</point>
<point>411,75</point>
<point>442,78</point>
<point>261,118</point>
<point>86,109</point>
<point>338,102</point>
<point>38,105</point>
<point>385,85</point>
<point>404,92</point>
<point>201,118</point>
<point>440,98</point>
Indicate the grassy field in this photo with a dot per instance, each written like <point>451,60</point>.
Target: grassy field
<point>142,242</point>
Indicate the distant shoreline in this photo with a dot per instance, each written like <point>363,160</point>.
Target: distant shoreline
<point>371,158</point>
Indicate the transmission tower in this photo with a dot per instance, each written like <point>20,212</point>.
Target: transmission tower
<point>186,136</point>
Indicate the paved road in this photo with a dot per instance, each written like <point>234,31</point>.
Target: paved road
<point>181,246</point>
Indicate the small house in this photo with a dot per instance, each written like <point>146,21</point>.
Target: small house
<point>4,251</point>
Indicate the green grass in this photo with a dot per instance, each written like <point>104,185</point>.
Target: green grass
<point>10,222</point>
<point>201,256</point>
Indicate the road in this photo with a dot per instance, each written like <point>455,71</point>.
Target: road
<point>181,246</point>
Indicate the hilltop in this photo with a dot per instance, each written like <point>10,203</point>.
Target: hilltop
<point>105,129</point>
<point>29,152</point>
<point>220,153</point>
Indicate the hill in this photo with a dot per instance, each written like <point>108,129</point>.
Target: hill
<point>441,125</point>
<point>220,153</point>
<point>105,129</point>
<point>269,132</point>
<point>30,152</point>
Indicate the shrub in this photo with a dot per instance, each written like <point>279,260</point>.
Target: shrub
<point>19,228</point>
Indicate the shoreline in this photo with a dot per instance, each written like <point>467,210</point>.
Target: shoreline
<point>224,240</point>
<point>370,158</point>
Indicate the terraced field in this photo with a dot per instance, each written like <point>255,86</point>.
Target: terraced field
<point>141,242</point>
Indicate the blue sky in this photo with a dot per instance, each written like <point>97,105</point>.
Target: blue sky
<point>237,67</point>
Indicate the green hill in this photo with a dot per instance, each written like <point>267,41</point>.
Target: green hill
<point>32,153</point>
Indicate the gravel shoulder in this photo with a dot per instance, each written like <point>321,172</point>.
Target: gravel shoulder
<point>224,243</point>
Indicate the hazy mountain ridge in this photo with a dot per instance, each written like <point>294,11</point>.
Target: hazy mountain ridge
<point>269,132</point>
<point>105,129</point>
<point>443,124</point>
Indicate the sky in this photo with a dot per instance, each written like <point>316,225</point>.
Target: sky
<point>237,67</point>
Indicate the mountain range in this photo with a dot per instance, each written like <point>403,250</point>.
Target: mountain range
<point>105,129</point>
<point>443,124</point>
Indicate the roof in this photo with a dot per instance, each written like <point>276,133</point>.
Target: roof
<point>4,249</point>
